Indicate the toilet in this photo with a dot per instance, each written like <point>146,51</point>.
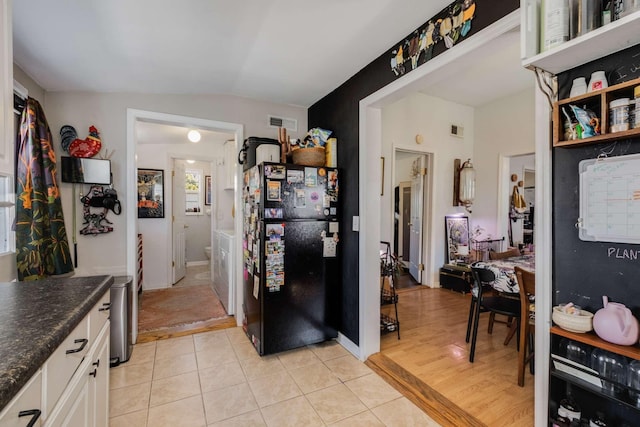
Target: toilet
<point>207,251</point>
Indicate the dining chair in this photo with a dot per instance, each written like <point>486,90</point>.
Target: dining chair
<point>486,301</point>
<point>527,285</point>
<point>513,252</point>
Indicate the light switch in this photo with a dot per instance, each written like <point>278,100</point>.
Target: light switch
<point>355,226</point>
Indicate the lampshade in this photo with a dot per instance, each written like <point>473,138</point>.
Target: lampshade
<point>467,184</point>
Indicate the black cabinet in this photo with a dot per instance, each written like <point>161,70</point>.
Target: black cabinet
<point>456,277</point>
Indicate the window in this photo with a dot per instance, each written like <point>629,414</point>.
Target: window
<point>6,215</point>
<point>193,191</point>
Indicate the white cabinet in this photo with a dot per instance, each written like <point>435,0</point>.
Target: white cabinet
<point>230,164</point>
<point>223,268</point>
<point>85,402</point>
<point>26,406</point>
<point>72,387</point>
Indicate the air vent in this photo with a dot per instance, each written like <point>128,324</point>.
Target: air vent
<point>281,122</point>
<point>457,131</point>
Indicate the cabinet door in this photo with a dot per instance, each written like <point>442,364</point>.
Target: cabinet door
<point>99,381</point>
<point>73,409</point>
<point>27,402</point>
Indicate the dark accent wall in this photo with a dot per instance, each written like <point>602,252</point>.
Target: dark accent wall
<point>585,271</point>
<point>338,112</point>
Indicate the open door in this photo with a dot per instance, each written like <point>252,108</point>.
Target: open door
<point>178,224</point>
<point>418,173</point>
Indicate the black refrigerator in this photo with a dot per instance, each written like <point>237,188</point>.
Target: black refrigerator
<point>291,268</point>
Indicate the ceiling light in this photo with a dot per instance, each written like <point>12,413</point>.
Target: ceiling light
<point>193,135</point>
<point>191,161</point>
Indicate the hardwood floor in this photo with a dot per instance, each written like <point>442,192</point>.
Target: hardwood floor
<point>431,361</point>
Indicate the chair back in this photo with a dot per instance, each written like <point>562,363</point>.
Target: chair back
<point>527,285</point>
<point>513,252</point>
<point>483,277</point>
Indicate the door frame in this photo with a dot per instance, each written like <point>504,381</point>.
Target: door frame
<point>133,116</point>
<point>369,149</point>
<point>427,206</point>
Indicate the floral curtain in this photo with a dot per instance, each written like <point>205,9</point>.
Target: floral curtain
<point>42,247</point>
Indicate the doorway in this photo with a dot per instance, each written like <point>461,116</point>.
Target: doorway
<point>411,213</point>
<point>161,242</point>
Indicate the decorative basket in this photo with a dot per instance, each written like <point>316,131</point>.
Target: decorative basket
<point>579,323</point>
<point>312,156</point>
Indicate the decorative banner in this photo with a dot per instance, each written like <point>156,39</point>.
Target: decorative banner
<point>448,27</point>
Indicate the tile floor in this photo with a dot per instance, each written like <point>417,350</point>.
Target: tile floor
<point>217,379</point>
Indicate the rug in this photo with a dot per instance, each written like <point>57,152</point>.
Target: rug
<point>168,308</point>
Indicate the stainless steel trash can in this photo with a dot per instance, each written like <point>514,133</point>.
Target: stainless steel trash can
<point>121,295</point>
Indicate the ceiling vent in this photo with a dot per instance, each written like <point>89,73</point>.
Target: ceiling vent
<point>281,122</point>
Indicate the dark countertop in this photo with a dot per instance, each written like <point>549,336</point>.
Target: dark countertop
<point>35,317</point>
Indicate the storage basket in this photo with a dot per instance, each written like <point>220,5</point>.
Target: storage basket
<point>312,156</point>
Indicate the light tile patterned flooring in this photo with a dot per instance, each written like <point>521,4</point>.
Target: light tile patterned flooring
<point>217,379</point>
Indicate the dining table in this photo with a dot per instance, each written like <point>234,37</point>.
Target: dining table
<point>506,283</point>
<point>504,270</point>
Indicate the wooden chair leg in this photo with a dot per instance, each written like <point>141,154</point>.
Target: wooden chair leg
<point>522,354</point>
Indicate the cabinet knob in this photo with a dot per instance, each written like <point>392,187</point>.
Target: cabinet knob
<point>33,413</point>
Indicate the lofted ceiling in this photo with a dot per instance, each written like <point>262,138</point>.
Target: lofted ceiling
<point>284,51</point>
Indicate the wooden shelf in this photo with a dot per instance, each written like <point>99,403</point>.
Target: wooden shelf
<point>598,101</point>
<point>593,340</point>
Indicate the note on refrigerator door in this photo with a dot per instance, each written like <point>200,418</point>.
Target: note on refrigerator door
<point>256,286</point>
<point>329,247</point>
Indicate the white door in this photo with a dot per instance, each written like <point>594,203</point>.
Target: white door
<point>418,173</point>
<point>179,225</point>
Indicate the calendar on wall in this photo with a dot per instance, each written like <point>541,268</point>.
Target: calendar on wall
<point>610,199</point>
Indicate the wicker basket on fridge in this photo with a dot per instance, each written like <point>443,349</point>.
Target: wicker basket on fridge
<point>311,156</point>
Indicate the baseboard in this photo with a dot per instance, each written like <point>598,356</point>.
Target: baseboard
<point>195,263</point>
<point>349,345</point>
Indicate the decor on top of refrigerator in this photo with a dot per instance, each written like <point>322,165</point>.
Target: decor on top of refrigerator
<point>291,270</point>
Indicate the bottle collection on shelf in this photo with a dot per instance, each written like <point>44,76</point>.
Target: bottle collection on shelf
<point>564,20</point>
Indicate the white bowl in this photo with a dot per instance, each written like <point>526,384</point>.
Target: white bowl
<point>579,323</point>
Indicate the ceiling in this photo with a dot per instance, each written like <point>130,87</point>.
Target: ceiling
<point>284,51</point>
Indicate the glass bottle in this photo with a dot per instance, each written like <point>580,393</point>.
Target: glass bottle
<point>633,381</point>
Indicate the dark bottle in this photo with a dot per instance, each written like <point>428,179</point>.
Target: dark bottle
<point>569,408</point>
<point>598,420</point>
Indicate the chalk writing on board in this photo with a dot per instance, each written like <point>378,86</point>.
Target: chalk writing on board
<point>630,254</point>
<point>610,199</point>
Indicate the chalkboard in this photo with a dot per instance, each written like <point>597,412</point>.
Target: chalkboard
<point>610,199</point>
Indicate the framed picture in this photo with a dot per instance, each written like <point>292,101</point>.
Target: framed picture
<point>150,193</point>
<point>456,239</point>
<point>207,190</point>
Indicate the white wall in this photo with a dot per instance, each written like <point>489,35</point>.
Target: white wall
<point>108,112</point>
<point>503,127</point>
<point>431,117</point>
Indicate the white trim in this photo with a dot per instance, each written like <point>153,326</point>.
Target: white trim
<point>543,244</point>
<point>134,115</point>
<point>370,147</point>
<point>348,345</point>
